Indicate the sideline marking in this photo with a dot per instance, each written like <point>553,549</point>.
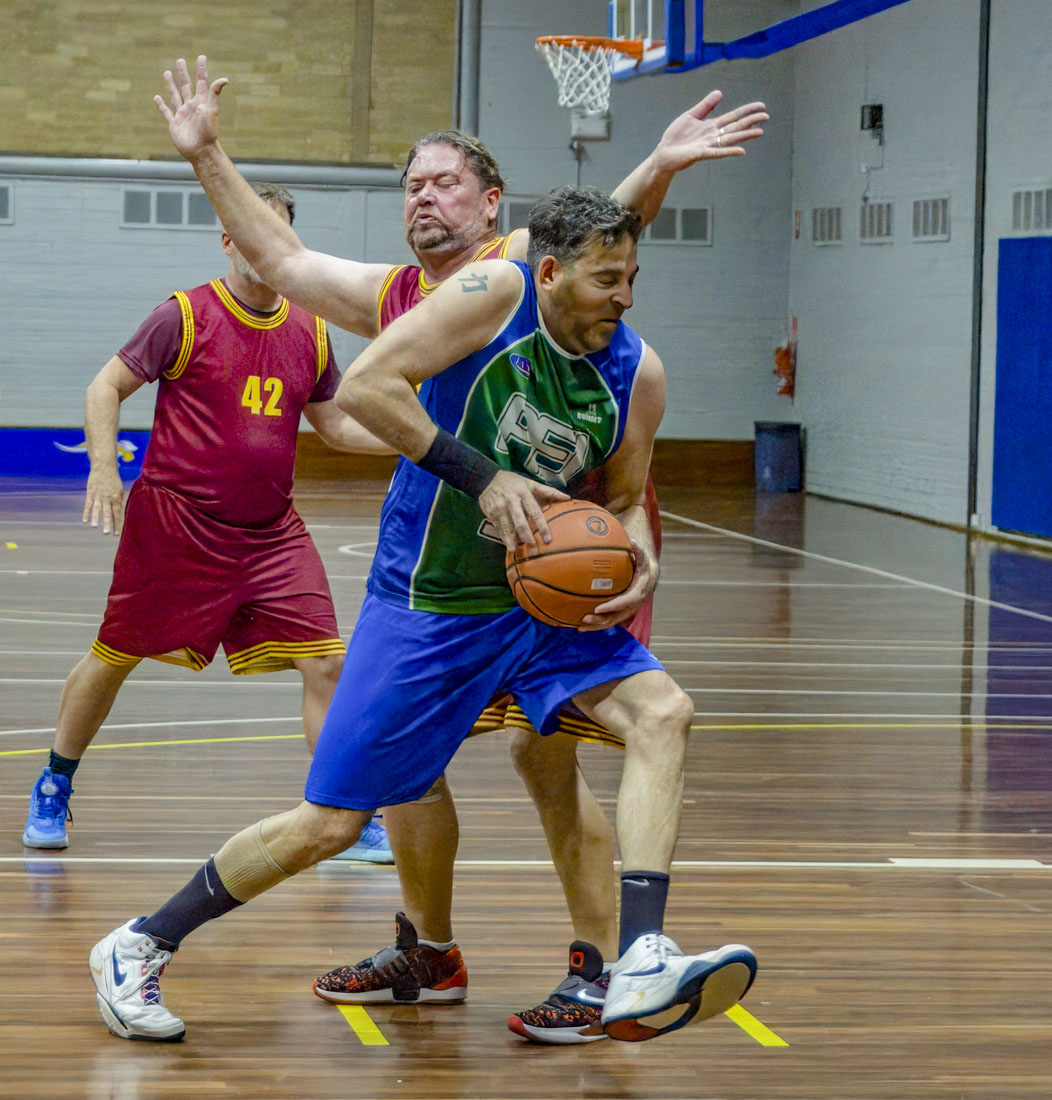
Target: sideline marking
<point>754,1028</point>
<point>890,863</point>
<point>363,1026</point>
<point>968,597</point>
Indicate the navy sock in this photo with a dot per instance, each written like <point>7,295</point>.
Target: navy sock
<point>643,896</point>
<point>59,765</point>
<point>202,899</point>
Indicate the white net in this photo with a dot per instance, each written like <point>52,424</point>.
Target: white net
<point>582,73</point>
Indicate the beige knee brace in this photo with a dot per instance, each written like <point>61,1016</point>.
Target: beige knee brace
<point>435,793</point>
<point>246,867</point>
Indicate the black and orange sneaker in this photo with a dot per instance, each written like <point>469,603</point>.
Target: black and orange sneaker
<point>407,973</point>
<point>572,1013</point>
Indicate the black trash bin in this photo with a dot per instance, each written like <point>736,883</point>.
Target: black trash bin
<point>779,457</point>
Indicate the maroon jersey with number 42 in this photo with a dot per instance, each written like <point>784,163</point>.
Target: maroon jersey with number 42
<point>233,383</point>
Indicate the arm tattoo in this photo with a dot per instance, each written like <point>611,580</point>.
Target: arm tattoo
<point>473,282</point>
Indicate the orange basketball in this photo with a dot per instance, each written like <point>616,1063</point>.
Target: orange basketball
<point>588,562</point>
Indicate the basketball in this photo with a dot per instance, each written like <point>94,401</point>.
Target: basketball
<point>588,562</point>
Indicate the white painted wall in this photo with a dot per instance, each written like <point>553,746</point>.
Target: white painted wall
<point>713,314</point>
<point>75,285</point>
<point>883,369</point>
<point>885,331</point>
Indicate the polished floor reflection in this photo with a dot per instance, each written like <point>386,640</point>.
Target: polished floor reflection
<point>869,805</point>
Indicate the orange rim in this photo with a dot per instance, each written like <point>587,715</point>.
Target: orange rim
<point>633,47</point>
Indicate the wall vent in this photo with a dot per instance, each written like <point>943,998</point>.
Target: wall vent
<point>1032,210</point>
<point>876,222</point>
<point>680,225</point>
<point>166,208</point>
<point>931,219</point>
<point>672,225</point>
<point>826,227</point>
<point>7,205</point>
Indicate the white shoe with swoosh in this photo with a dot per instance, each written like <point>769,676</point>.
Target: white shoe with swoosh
<point>655,988</point>
<point>126,967</point>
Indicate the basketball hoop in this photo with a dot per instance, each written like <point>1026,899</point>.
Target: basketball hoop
<point>581,64</point>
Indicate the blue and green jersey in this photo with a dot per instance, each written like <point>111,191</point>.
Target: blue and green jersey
<point>531,407</point>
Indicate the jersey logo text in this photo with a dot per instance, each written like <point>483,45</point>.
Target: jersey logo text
<point>554,452</point>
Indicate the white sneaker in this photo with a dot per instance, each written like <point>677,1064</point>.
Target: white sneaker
<point>655,988</point>
<point>125,967</point>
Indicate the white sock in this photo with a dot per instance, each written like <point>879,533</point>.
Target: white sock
<point>437,946</point>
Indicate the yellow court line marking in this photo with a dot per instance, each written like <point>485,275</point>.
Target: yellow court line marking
<point>360,1023</point>
<point>161,744</point>
<point>752,1027</point>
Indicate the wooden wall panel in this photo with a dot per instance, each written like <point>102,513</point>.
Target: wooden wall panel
<point>701,463</point>
<point>350,83</point>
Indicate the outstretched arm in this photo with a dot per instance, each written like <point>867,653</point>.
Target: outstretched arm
<point>344,292</point>
<point>104,499</point>
<point>692,137</point>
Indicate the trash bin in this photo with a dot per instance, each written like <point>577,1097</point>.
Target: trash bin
<point>778,457</point>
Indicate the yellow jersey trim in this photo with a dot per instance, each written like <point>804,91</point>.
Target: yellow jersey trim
<point>275,320</point>
<point>187,346</point>
<point>323,348</point>
<point>383,294</point>
<point>426,287</point>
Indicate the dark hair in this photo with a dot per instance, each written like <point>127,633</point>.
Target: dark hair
<point>567,220</point>
<point>274,192</point>
<point>477,155</point>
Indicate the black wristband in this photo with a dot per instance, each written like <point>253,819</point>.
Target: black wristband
<point>458,464</point>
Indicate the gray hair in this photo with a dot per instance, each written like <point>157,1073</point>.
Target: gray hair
<point>275,193</point>
<point>566,222</point>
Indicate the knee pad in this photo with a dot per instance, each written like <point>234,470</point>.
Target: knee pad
<point>246,866</point>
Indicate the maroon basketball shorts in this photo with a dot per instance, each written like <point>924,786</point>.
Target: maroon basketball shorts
<point>185,583</point>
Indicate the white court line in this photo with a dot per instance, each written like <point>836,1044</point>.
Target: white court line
<point>57,572</point>
<point>807,666</point>
<point>926,585</point>
<point>862,585</point>
<point>891,864</point>
<point>792,643</point>
<point>825,717</point>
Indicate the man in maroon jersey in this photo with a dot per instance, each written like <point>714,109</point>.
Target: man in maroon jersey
<point>452,194</point>
<point>212,553</point>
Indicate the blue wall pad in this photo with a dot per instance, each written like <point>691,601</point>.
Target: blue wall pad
<point>62,453</point>
<point>1022,481</point>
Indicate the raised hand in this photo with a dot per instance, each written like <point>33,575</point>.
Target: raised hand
<point>695,136</point>
<point>192,113</point>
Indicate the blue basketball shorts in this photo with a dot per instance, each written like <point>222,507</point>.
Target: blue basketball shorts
<point>414,682</point>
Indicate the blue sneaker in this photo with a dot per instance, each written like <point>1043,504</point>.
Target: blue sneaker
<point>48,810</point>
<point>371,846</point>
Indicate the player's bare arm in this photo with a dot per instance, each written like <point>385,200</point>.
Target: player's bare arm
<point>379,387</point>
<point>694,136</point>
<point>344,292</point>
<point>104,499</point>
<point>625,478</point>
<point>343,432</point>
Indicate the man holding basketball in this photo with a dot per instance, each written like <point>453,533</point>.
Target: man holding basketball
<point>452,192</point>
<point>502,356</point>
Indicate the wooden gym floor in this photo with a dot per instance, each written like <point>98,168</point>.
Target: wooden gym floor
<point>868,806</point>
